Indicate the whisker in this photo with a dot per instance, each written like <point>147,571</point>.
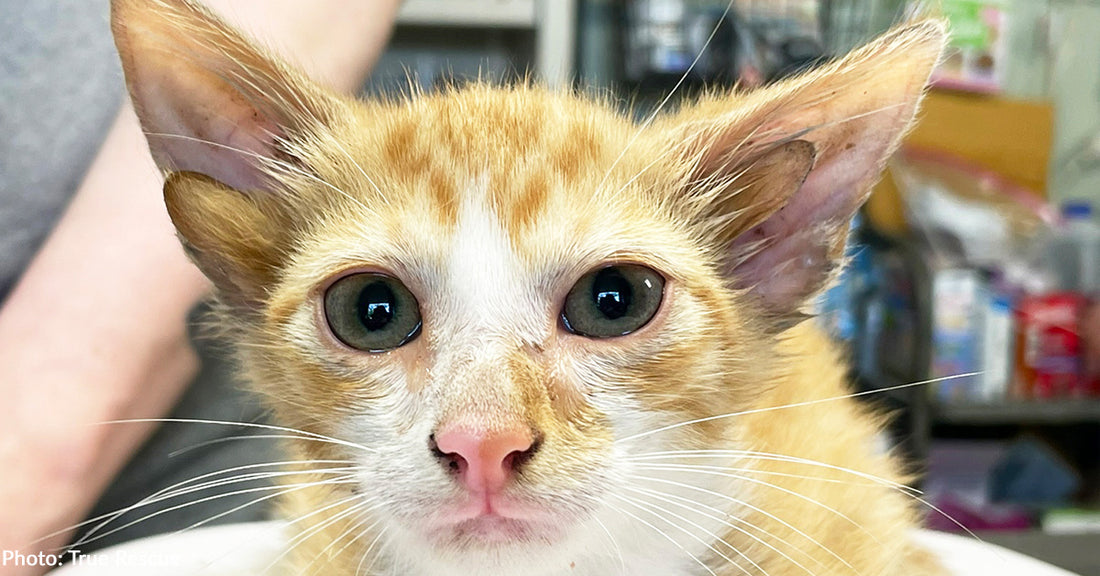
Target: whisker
<point>242,437</point>
<point>755,509</point>
<point>357,526</point>
<point>336,143</point>
<point>367,554</point>
<point>650,508</point>
<point>614,544</point>
<point>115,514</point>
<point>900,488</point>
<point>283,490</point>
<point>208,520</point>
<point>694,506</point>
<point>351,464</point>
<point>711,472</point>
<point>949,517</point>
<point>660,157</point>
<point>748,470</point>
<point>653,116</point>
<point>665,536</point>
<point>363,506</point>
<point>796,405</point>
<point>267,160</point>
<point>183,491</point>
<point>906,490</point>
<point>244,425</point>
<point>769,456</point>
<point>713,535</point>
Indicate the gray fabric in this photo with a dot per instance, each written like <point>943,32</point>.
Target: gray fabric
<point>60,88</point>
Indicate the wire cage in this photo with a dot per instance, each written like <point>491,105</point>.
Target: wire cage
<point>744,41</point>
<point>839,25</point>
<point>846,24</point>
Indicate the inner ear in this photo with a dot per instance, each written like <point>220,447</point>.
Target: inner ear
<point>209,99</point>
<point>781,171</point>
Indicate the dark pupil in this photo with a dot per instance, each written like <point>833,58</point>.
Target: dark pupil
<point>376,306</point>
<point>612,293</point>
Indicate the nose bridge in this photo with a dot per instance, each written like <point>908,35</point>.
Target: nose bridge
<point>487,387</point>
<point>487,428</point>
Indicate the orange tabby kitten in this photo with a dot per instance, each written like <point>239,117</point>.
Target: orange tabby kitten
<point>525,335</point>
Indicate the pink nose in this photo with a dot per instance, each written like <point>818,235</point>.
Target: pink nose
<point>484,460</point>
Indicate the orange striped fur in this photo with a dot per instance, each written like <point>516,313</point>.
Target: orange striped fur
<point>489,204</point>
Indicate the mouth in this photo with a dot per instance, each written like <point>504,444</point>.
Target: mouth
<point>491,522</point>
<point>494,530</point>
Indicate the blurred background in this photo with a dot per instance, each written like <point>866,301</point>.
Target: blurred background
<point>978,254</point>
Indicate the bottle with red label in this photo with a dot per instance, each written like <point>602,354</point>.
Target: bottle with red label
<point>1055,357</point>
<point>1049,344</point>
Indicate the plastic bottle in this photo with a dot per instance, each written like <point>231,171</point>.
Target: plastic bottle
<point>1081,239</point>
<point>1052,355</point>
<point>1072,251</point>
<point>998,339</point>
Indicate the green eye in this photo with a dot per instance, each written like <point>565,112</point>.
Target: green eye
<point>613,301</point>
<point>372,312</point>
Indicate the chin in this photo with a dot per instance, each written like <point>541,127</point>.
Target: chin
<point>496,545</point>
<point>497,533</point>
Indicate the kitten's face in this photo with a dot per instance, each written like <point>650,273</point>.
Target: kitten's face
<point>501,225</point>
<point>495,298</point>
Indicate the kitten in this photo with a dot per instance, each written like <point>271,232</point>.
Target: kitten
<point>525,335</point>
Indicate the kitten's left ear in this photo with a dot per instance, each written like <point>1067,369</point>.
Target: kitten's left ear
<point>783,229</point>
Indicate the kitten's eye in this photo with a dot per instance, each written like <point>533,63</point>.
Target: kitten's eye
<point>372,312</point>
<point>613,301</point>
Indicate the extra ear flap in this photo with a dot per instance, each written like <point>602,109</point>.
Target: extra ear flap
<point>779,180</point>
<point>237,240</point>
<point>222,116</point>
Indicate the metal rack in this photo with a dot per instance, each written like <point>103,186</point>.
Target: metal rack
<point>846,24</point>
<point>1046,412</point>
<point>552,24</point>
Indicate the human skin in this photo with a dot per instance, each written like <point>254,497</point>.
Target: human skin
<point>95,328</point>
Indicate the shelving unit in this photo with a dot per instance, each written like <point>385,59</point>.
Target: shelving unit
<point>1070,426</point>
<point>1047,412</point>
<point>549,26</point>
<point>469,13</point>
<point>1076,552</point>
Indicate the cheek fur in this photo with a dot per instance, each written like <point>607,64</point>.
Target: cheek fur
<point>697,359</point>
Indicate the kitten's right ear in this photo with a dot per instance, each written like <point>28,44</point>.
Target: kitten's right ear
<point>223,117</point>
<point>208,99</point>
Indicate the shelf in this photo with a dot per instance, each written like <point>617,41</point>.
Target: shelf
<point>469,13</point>
<point>1075,552</point>
<point>1071,411</point>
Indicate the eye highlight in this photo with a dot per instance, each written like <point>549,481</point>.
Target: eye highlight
<point>372,312</point>
<point>613,301</point>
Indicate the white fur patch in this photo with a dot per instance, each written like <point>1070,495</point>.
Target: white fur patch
<point>486,289</point>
